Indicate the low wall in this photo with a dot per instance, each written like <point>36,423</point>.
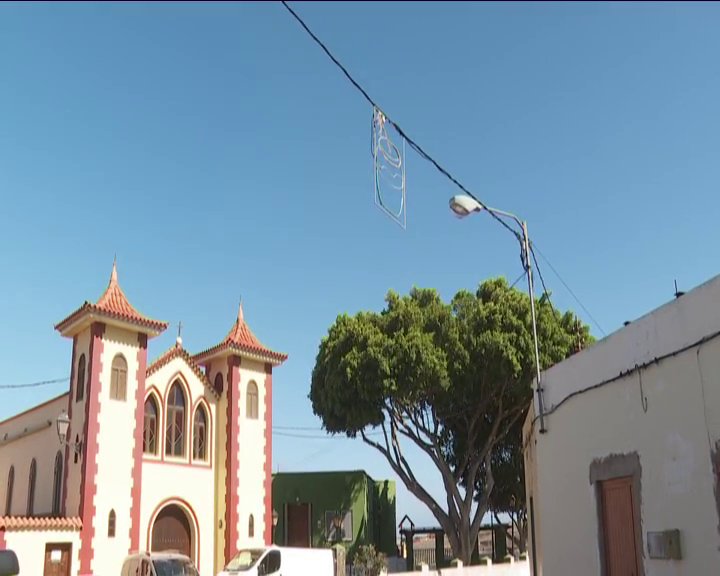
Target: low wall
<point>514,569</point>
<point>29,545</point>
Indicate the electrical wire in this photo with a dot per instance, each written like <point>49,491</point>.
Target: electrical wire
<point>34,384</point>
<point>592,318</point>
<point>426,156</point>
<point>414,145</point>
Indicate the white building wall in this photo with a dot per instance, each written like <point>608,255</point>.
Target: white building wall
<point>115,454</point>
<point>42,444</point>
<point>77,425</point>
<point>30,549</point>
<point>251,456</point>
<point>180,481</point>
<point>674,440</point>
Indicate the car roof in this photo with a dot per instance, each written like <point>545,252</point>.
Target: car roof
<point>159,555</point>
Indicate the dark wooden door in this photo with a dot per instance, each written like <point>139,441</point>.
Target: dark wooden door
<point>298,525</point>
<point>619,527</point>
<point>57,559</point>
<point>171,531</point>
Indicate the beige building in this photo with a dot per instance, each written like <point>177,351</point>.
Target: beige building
<point>624,481</point>
<point>171,454</point>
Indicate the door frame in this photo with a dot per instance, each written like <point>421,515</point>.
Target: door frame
<point>610,468</point>
<point>65,547</point>
<point>309,521</point>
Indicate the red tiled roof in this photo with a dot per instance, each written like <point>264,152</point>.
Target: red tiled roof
<point>242,339</point>
<point>114,304</point>
<point>39,523</point>
<point>178,351</point>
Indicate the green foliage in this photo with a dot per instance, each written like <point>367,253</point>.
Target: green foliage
<point>368,561</point>
<point>454,379</point>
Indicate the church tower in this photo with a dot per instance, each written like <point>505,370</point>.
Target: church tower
<point>103,462</point>
<point>240,368</point>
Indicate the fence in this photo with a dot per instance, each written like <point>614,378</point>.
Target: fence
<point>511,569</point>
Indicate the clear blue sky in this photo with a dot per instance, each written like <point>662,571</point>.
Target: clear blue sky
<point>216,150</point>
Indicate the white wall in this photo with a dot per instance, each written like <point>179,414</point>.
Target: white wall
<point>42,445</point>
<point>77,424</point>
<point>673,439</point>
<point>30,549</point>
<point>178,479</point>
<point>115,454</point>
<point>251,456</point>
<point>515,569</point>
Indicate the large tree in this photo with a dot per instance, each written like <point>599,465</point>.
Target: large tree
<point>452,379</point>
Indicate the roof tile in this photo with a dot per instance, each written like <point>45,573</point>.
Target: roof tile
<point>40,523</point>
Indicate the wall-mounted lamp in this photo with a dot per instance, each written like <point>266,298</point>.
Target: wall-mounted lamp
<point>63,425</point>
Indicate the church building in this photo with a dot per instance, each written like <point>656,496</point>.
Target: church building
<point>173,454</point>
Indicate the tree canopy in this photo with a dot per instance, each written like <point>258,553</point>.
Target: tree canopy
<point>453,379</point>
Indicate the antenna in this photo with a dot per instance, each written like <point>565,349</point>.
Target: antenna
<point>677,292</point>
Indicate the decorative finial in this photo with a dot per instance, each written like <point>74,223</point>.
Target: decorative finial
<point>178,340</point>
<point>240,312</point>
<point>113,275</point>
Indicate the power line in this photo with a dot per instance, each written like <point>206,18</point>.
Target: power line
<point>34,384</point>
<point>597,324</point>
<point>415,146</point>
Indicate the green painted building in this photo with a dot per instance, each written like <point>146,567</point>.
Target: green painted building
<point>322,509</point>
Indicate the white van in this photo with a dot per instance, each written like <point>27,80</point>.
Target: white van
<point>276,560</point>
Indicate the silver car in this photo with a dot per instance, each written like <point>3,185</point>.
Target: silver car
<point>158,564</point>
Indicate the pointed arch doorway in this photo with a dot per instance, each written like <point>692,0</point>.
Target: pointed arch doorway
<point>173,530</point>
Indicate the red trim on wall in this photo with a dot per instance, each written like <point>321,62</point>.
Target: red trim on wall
<point>66,460</point>
<point>136,489</point>
<point>232,432</point>
<point>182,504</point>
<point>88,479</point>
<point>268,454</point>
<point>3,543</point>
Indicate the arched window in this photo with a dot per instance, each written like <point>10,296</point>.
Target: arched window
<point>80,380</point>
<point>118,378</point>
<point>57,484</point>
<point>219,383</point>
<point>252,401</point>
<point>175,428</point>
<point>251,527</point>
<point>9,494</point>
<point>150,426</point>
<point>31,488</point>
<point>77,452</point>
<point>200,430</point>
<point>111,524</point>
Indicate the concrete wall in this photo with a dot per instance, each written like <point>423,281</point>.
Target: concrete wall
<point>514,569</point>
<point>671,424</point>
<point>30,548</point>
<point>31,434</point>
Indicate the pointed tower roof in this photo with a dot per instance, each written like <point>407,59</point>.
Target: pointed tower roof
<point>241,340</point>
<point>112,306</point>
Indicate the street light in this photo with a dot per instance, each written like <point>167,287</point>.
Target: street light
<point>462,206</point>
<point>63,425</point>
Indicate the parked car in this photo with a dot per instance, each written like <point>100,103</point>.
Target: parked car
<point>276,560</point>
<point>8,563</point>
<point>158,564</point>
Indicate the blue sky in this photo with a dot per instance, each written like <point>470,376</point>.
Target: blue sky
<point>216,150</point>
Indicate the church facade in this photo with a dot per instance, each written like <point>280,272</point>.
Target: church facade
<point>174,454</point>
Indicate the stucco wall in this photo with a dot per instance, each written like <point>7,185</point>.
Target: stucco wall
<point>251,456</point>
<point>181,481</point>
<point>30,548</point>
<point>43,445</point>
<point>76,410</point>
<point>672,439</point>
<point>115,454</point>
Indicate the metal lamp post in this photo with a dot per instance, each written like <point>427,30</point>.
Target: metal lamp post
<point>63,425</point>
<point>462,206</point>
